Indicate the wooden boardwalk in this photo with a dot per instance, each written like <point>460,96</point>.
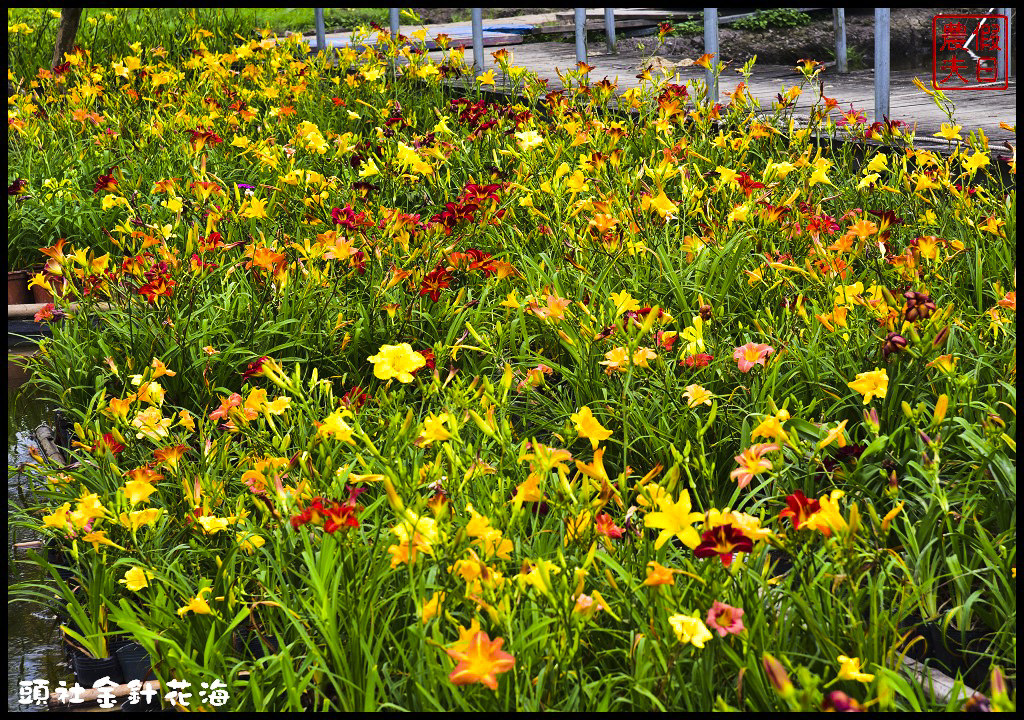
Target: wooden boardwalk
<point>983,109</point>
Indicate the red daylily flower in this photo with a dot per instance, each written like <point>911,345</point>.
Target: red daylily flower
<point>697,361</point>
<point>723,541</point>
<point>254,369</point>
<point>434,282</point>
<point>605,525</point>
<point>156,288</point>
<point>108,442</point>
<point>800,508</point>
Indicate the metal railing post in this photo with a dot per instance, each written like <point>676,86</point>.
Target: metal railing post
<point>393,21</point>
<point>478,40</point>
<point>881,63</point>
<point>581,34</point>
<point>839,25</point>
<point>321,31</point>
<point>609,28</point>
<point>711,47</point>
<point>1004,55</point>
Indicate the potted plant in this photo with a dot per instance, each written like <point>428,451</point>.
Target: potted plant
<point>17,287</point>
<point>87,632</point>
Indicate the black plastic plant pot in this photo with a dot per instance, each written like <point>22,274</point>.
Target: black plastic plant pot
<point>89,669</point>
<point>260,648</point>
<point>134,661</point>
<point>944,650</point>
<point>59,559</point>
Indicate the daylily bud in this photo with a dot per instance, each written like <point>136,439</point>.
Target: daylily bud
<point>941,405</point>
<point>893,343</point>
<point>941,337</point>
<point>992,418</point>
<point>920,306</point>
<point>889,299</point>
<point>838,701</point>
<point>894,483</point>
<point>871,420</point>
<point>998,683</point>
<point>777,676</point>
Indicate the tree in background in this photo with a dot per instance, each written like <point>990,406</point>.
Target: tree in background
<point>67,29</point>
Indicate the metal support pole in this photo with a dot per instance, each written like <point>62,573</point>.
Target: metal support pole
<point>881,63</point>
<point>609,28</point>
<point>581,35</point>
<point>321,31</point>
<point>1004,56</point>
<point>478,40</point>
<point>711,48</point>
<point>393,21</point>
<point>839,25</point>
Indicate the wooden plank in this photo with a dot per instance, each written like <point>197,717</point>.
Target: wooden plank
<point>908,104</point>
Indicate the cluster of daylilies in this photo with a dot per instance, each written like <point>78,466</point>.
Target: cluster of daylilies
<point>598,399</point>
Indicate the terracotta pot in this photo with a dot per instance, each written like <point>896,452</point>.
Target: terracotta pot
<point>41,294</point>
<point>17,287</point>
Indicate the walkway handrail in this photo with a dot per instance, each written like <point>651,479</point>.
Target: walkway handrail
<point>839,29</point>
<point>711,48</point>
<point>580,26</point>
<point>321,31</point>
<point>881,64</point>
<point>1004,57</point>
<point>609,28</point>
<point>882,45</point>
<point>882,67</point>
<point>478,40</point>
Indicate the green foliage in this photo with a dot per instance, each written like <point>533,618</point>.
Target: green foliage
<point>324,521</point>
<point>110,32</point>
<point>779,18</point>
<point>688,27</point>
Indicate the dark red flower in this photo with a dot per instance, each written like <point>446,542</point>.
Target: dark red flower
<point>664,341</point>
<point>354,398</point>
<point>428,355</point>
<point>697,361</point>
<point>723,541</point>
<point>339,516</point>
<point>605,525</point>
<point>108,442</point>
<point>157,287</point>
<point>838,701</point>
<point>800,508</point>
<point>17,187</point>
<point>435,281</point>
<point>348,218</point>
<point>334,515</point>
<point>254,369</point>
<point>49,313</point>
<point>105,182</point>
<point>202,136</point>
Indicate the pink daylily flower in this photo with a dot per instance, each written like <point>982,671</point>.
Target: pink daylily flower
<point>751,354</point>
